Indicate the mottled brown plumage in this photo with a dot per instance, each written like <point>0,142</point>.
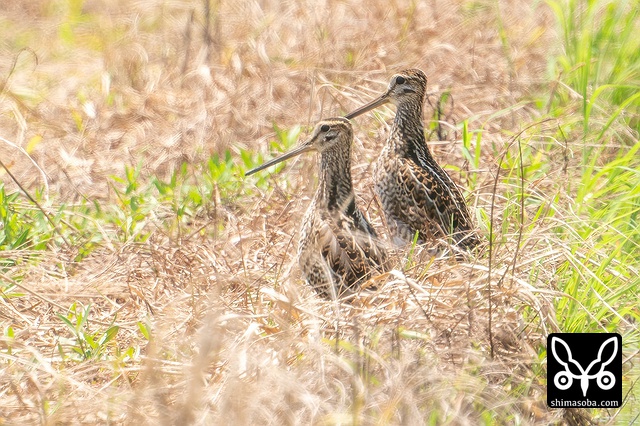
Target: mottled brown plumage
<point>416,194</point>
<point>338,248</point>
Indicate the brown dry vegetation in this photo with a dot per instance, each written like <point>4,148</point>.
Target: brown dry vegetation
<point>237,338</point>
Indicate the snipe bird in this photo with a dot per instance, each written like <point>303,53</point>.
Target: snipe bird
<point>338,248</point>
<point>416,194</point>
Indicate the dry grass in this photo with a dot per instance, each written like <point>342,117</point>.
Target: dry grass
<point>236,337</point>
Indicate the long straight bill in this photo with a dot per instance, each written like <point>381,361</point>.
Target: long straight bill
<point>368,107</point>
<point>296,151</point>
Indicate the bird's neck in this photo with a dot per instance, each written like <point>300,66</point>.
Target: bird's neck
<point>335,190</point>
<point>407,132</point>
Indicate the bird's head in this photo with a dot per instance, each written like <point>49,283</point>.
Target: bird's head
<point>408,86</point>
<point>328,134</point>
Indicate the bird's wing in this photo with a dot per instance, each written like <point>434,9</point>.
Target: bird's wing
<point>436,191</point>
<point>350,253</point>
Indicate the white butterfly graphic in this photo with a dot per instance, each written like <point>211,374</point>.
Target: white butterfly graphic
<point>564,379</point>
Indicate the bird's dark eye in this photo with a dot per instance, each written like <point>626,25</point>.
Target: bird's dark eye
<point>400,80</point>
<point>325,128</point>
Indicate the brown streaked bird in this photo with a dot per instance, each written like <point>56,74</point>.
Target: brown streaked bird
<point>416,194</point>
<point>338,248</point>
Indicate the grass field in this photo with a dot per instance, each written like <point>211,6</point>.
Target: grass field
<point>144,279</point>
